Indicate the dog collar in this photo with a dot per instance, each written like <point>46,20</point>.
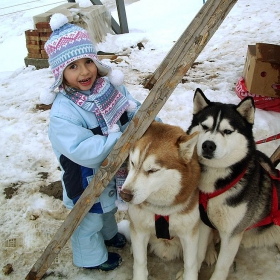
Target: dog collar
<point>162,227</point>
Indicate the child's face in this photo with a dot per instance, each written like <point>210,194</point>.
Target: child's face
<point>80,74</point>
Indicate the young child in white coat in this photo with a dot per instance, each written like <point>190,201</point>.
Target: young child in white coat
<point>89,113</point>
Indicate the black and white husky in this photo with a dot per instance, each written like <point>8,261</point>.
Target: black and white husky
<point>239,185</point>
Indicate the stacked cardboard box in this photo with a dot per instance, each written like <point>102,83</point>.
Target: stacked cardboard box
<point>262,70</point>
<point>261,76</point>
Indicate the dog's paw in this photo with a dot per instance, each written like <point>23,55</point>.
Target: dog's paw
<point>179,275</point>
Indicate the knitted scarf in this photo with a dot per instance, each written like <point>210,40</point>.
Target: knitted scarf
<point>107,103</point>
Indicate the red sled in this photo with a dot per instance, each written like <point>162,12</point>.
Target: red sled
<point>262,102</point>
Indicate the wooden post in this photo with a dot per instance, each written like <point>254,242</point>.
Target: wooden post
<point>123,27</point>
<point>178,66</point>
<point>122,16</point>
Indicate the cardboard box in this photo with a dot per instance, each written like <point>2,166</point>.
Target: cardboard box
<point>262,70</point>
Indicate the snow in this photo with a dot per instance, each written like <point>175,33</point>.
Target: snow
<point>29,218</point>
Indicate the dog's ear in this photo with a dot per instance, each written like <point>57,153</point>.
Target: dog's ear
<point>246,108</point>
<point>199,101</point>
<point>187,144</point>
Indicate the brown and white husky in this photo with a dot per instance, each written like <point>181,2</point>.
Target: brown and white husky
<point>161,189</point>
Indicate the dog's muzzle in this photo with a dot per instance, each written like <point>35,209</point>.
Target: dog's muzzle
<point>126,195</point>
<point>208,149</point>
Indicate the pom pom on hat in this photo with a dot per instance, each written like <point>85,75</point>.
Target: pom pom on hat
<point>122,205</point>
<point>57,21</point>
<point>116,77</point>
<point>47,97</point>
<point>132,106</point>
<point>114,128</point>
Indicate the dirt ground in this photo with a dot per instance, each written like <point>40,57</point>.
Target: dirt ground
<point>158,269</point>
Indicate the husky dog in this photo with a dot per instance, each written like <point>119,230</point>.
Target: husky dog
<point>239,185</point>
<point>161,188</point>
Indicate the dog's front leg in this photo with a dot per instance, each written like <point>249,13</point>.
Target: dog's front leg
<point>189,243</point>
<point>228,250</point>
<point>139,241</point>
<point>203,241</point>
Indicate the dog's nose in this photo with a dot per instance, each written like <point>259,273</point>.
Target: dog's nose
<point>208,148</point>
<point>126,195</point>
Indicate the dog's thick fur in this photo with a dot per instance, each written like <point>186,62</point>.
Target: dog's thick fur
<point>225,149</point>
<point>162,179</point>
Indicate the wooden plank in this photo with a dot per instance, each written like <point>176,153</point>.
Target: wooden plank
<point>107,56</point>
<point>141,121</point>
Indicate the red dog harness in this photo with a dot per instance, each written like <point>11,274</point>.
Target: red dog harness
<point>274,216</point>
<point>204,197</point>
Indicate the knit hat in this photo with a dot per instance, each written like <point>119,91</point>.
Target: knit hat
<point>68,43</point>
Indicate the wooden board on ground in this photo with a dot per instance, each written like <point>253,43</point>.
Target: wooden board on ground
<point>107,56</point>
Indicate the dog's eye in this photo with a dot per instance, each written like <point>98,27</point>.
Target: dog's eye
<point>205,127</point>
<point>227,131</point>
<point>132,163</point>
<point>153,170</point>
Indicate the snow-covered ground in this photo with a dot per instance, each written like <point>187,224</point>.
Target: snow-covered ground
<point>28,217</point>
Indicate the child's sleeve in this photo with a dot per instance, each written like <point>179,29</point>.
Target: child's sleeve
<point>78,143</point>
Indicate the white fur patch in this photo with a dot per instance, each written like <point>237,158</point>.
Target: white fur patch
<point>151,182</point>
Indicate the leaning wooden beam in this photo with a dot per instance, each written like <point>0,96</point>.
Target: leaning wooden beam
<point>217,11</point>
<point>186,39</point>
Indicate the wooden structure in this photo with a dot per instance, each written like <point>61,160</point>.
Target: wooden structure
<point>123,27</point>
<point>188,47</point>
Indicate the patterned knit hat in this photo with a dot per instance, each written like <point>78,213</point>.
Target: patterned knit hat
<point>68,43</point>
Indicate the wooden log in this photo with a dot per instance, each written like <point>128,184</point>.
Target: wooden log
<point>178,66</point>
<point>107,56</point>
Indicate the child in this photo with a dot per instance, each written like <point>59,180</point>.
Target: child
<point>87,117</point>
